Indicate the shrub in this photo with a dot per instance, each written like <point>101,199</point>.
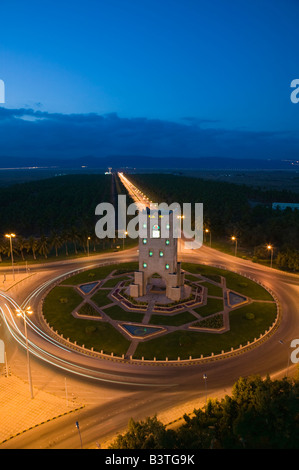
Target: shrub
<point>249,316</point>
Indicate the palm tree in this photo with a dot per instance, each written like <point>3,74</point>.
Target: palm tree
<point>32,245</point>
<point>2,249</point>
<point>55,241</point>
<point>43,248</point>
<point>74,237</point>
<point>65,238</point>
<point>21,245</point>
<point>83,239</point>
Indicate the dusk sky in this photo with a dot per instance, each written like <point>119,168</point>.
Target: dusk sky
<point>149,77</point>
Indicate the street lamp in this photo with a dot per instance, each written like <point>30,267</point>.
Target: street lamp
<point>11,236</point>
<point>205,377</point>
<point>209,231</point>
<point>88,238</point>
<point>78,427</point>
<point>126,233</point>
<point>234,239</point>
<point>270,248</point>
<point>23,313</point>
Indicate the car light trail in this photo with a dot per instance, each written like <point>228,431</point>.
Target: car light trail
<point>53,359</point>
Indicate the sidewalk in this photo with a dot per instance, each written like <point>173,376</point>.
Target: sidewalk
<point>19,412</point>
<point>8,281</point>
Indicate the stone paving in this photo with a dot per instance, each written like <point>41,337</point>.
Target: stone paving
<point>19,412</point>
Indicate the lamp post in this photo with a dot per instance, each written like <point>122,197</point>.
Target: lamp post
<point>78,427</point>
<point>22,313</point>
<point>11,236</point>
<point>209,232</point>
<point>234,239</point>
<point>205,377</point>
<point>126,233</point>
<point>270,248</point>
<point>88,238</point>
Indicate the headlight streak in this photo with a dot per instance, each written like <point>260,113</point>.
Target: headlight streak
<point>66,369</point>
<point>45,355</point>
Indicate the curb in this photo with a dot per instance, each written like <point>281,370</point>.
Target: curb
<point>176,362</point>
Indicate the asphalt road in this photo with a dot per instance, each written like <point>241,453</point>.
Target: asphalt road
<point>114,392</point>
<point>140,391</point>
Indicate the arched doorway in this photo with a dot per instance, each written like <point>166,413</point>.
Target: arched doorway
<point>156,284</point>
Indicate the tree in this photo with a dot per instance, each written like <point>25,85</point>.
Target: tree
<point>260,413</point>
<point>21,245</point>
<point>74,237</point>
<point>32,245</point>
<point>43,246</point>
<point>147,434</point>
<point>55,241</point>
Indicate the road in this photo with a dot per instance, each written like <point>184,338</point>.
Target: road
<point>114,392</point>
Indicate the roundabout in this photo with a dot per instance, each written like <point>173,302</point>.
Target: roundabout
<point>93,310</point>
<point>172,386</point>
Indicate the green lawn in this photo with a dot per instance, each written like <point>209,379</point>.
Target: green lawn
<point>100,297</point>
<point>212,306</point>
<point>172,320</point>
<point>246,287</point>
<point>88,309</point>
<point>234,281</point>
<point>114,281</point>
<point>99,273</point>
<point>213,290</point>
<point>100,335</point>
<point>189,343</point>
<point>117,313</point>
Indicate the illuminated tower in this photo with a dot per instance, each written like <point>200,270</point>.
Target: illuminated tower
<point>158,256</point>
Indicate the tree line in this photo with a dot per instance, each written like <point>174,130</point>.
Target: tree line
<point>259,414</point>
<point>53,216</point>
<point>231,209</point>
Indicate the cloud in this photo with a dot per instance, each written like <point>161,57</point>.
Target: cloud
<point>37,133</point>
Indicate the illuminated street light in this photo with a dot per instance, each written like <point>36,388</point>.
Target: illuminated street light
<point>88,238</point>
<point>205,377</point>
<point>234,239</point>
<point>209,232</point>
<point>11,236</point>
<point>126,233</point>
<point>23,313</point>
<point>270,248</point>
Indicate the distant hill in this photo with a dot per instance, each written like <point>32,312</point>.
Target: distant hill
<point>140,162</point>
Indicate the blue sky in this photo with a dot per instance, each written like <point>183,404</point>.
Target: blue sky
<point>170,78</point>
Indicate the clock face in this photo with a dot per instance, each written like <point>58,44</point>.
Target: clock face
<point>156,231</point>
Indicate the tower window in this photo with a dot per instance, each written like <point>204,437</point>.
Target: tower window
<point>161,254</point>
<point>144,241</point>
<point>150,253</point>
<point>144,265</point>
<point>167,266</point>
<point>167,242</point>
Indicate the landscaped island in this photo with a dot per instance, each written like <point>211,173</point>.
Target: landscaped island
<point>225,310</point>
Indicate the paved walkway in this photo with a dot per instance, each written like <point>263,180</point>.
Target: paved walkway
<point>8,281</point>
<point>19,412</point>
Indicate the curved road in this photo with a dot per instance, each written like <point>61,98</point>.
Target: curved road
<point>147,389</point>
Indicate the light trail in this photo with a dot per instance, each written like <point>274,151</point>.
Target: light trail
<point>49,357</point>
